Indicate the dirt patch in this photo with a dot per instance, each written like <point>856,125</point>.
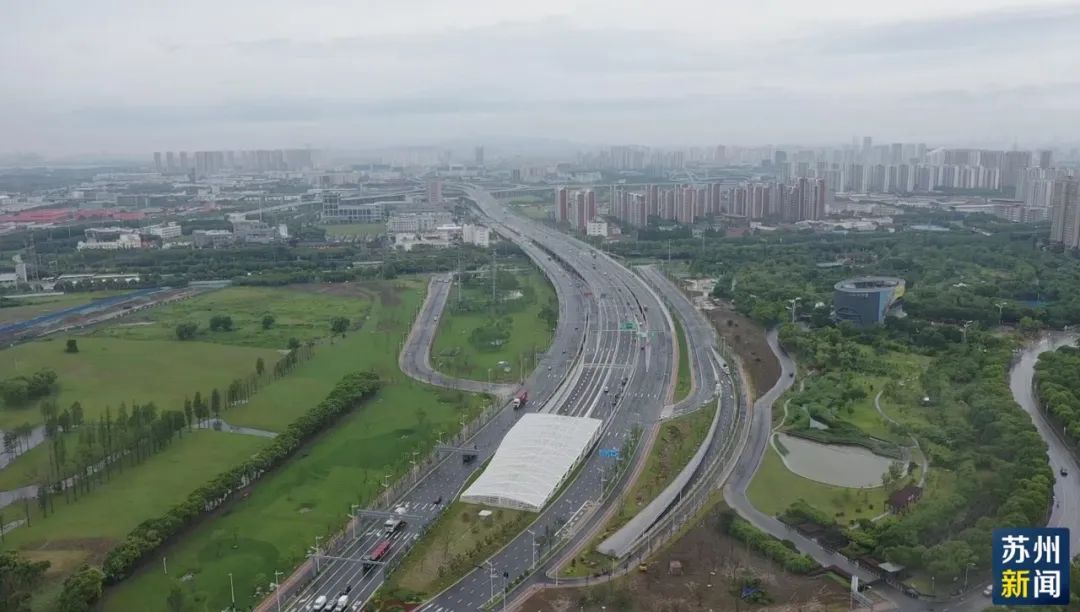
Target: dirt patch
<point>389,295</point>
<point>747,337</point>
<point>708,559</point>
<point>339,289</point>
<point>741,333</point>
<point>70,553</point>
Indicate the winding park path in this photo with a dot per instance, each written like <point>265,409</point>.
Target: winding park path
<point>923,461</point>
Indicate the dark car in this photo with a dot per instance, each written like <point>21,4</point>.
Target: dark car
<point>1064,472</point>
<point>438,500</point>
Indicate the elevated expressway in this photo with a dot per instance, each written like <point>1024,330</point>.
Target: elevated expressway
<point>628,337</point>
<point>611,327</point>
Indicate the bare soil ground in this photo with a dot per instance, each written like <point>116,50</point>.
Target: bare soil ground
<point>747,337</point>
<point>708,561</point>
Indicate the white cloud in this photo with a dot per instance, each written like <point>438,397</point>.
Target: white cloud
<point>133,76</point>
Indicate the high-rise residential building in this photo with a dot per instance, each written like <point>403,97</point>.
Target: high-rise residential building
<point>779,158</point>
<point>184,166</point>
<point>170,162</point>
<point>434,192</point>
<point>478,155</point>
<point>1065,213</point>
<point>867,144</point>
<point>720,154</point>
<point>896,153</point>
<point>1045,159</point>
<point>562,205</point>
<point>590,206</point>
<point>157,162</point>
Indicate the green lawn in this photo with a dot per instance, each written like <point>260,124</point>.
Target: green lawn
<point>32,307</point>
<point>429,566</point>
<point>373,347</point>
<point>354,230</point>
<point>86,529</point>
<point>774,488</point>
<point>676,443</point>
<point>452,352</point>
<point>683,381</point>
<point>108,371</point>
<point>901,401</point>
<point>302,312</point>
<point>534,210</point>
<point>310,495</point>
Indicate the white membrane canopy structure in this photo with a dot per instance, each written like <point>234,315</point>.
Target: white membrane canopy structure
<point>534,459</point>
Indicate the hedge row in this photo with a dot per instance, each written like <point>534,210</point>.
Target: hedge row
<point>771,547</point>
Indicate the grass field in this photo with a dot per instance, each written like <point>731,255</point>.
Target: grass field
<point>36,306</point>
<point>457,532</point>
<point>676,443</point>
<point>108,371</point>
<point>85,530</point>
<point>453,354</point>
<point>533,208</point>
<point>302,312</point>
<point>309,496</point>
<point>358,230</point>
<point>683,381</point>
<point>373,347</point>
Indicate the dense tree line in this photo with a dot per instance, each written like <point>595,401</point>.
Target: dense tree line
<point>347,395</point>
<point>782,552</point>
<point>18,580</point>
<point>1058,386</point>
<point>85,454</point>
<point>19,390</point>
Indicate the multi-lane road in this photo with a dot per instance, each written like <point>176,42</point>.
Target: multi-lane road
<point>611,359</point>
<point>622,377</point>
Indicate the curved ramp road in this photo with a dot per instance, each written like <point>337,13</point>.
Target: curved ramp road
<point>1066,511</point>
<point>415,357</point>
<point>750,460</point>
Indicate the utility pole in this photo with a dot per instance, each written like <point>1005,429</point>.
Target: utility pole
<point>492,282</point>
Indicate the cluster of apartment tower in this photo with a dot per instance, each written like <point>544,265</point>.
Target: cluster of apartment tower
<point>800,200</point>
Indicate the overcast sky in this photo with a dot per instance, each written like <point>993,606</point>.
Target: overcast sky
<point>130,76</point>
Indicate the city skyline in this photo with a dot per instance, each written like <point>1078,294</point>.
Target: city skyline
<point>129,79</point>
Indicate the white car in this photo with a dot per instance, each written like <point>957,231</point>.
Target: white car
<point>989,590</point>
<point>319,603</point>
<point>342,604</point>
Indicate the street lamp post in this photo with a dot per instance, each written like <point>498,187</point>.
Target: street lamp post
<point>277,587</point>
<point>317,538</point>
<point>533,534</point>
<point>232,591</point>
<point>794,302</point>
<point>966,568</point>
<point>352,518</point>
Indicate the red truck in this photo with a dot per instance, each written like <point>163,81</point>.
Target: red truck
<point>520,399</point>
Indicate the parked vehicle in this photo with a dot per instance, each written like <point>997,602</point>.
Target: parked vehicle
<point>319,603</point>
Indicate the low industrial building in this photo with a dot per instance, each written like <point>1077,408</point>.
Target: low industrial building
<point>866,300</point>
<point>533,460</point>
<point>212,238</point>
